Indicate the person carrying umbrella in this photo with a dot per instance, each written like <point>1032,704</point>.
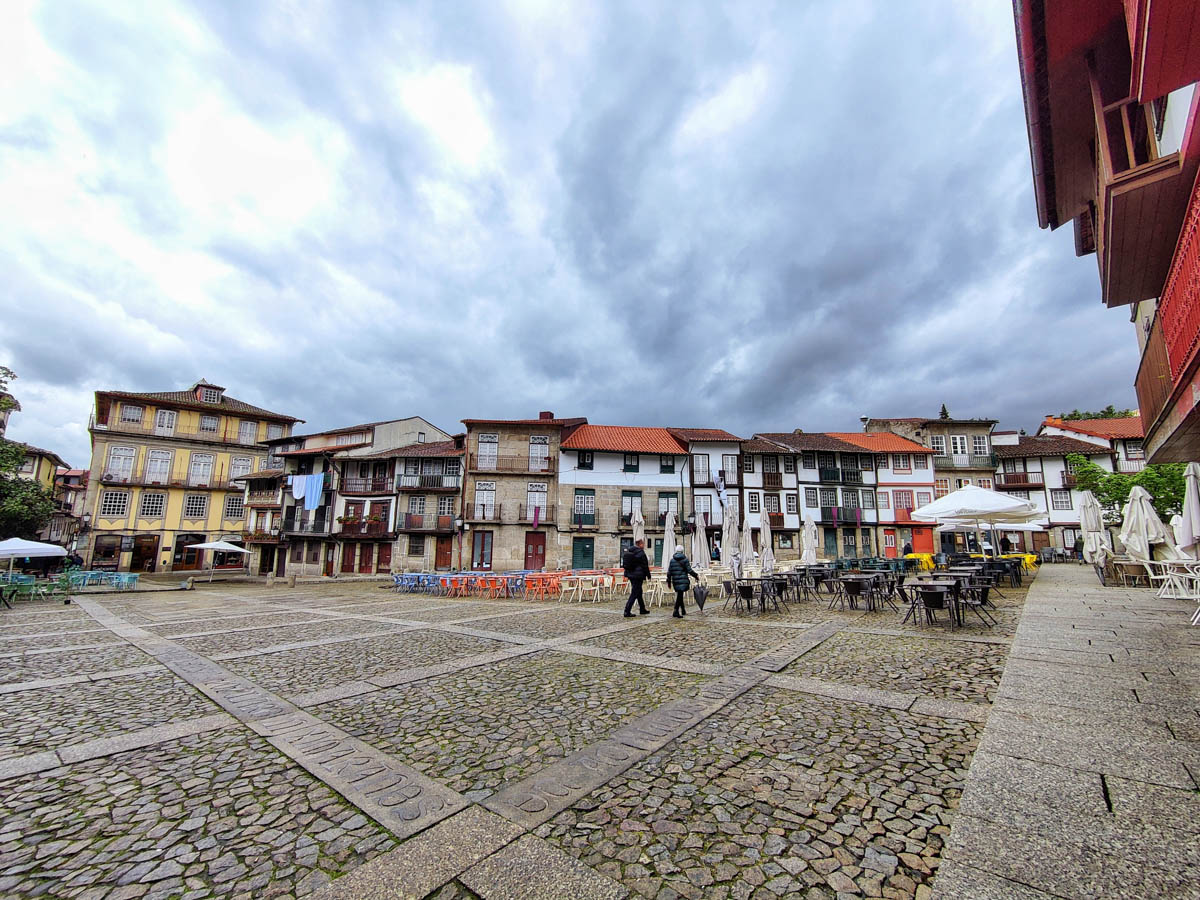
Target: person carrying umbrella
<point>637,570</point>
<point>678,571</point>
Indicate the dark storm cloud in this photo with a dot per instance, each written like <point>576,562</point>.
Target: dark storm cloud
<point>760,217</point>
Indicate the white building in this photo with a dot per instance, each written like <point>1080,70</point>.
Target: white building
<point>715,458</point>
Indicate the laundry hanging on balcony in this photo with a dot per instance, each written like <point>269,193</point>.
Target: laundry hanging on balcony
<point>313,490</point>
<point>298,484</point>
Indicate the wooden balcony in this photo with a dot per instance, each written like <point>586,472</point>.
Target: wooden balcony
<point>1069,480</point>
<point>363,529</point>
<point>426,522</point>
<point>360,486</point>
<point>772,480</point>
<point>829,474</point>
<point>429,482</point>
<point>1020,481</point>
<point>482,512</point>
<point>525,514</point>
<point>1154,383</point>
<point>270,536</point>
<point>517,465</point>
<point>263,498</point>
<point>852,476</point>
<point>775,519</point>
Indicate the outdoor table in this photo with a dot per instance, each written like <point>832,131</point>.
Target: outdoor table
<point>949,587</point>
<point>869,581</point>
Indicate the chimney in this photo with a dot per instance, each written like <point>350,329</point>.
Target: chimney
<point>545,415</point>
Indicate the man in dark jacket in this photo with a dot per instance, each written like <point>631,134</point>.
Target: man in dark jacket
<point>678,571</point>
<point>637,570</point>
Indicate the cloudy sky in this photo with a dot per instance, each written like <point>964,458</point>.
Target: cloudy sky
<point>758,216</point>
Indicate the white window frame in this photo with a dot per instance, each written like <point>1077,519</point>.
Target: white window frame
<point>937,443</point>
<point>791,504</point>
<point>124,472</point>
<point>235,507</point>
<point>445,506</point>
<point>924,498</point>
<point>883,500</point>
<point>210,395</point>
<point>958,444</point>
<point>808,459</point>
<point>811,498</point>
<point>209,424</point>
<point>247,432</point>
<point>979,445</point>
<point>753,504</point>
<point>789,465</point>
<point>132,413</point>
<point>868,499</point>
<point>1060,500</point>
<point>274,430</point>
<point>150,502</point>
<point>194,479</point>
<point>829,497</point>
<point>194,502</point>
<point>240,465</point>
<point>901,462</point>
<point>702,503</point>
<point>113,505</point>
<point>416,503</point>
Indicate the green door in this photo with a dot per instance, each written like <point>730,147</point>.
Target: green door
<point>658,551</point>
<point>831,548</point>
<point>583,553</point>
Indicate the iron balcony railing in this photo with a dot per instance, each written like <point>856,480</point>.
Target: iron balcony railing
<point>965,461</point>
<point>150,429</point>
<point>1020,480</point>
<point>429,482</point>
<point>366,485</point>
<point>583,519</point>
<point>546,514</point>
<point>263,498</point>
<point>708,479</point>
<point>829,474</point>
<point>426,522</point>
<point>518,464</point>
<point>852,476</point>
<point>483,512</point>
<point>316,526</point>
<point>363,527</point>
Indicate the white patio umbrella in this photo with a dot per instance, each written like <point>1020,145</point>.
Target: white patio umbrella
<point>19,548</point>
<point>979,505</point>
<point>729,536</point>
<point>1189,524</point>
<point>1091,523</point>
<point>765,541</point>
<point>223,547</point>
<point>668,537</point>
<point>1141,528</point>
<point>638,521</point>
<point>808,555</point>
<point>746,544</point>
<point>699,552</point>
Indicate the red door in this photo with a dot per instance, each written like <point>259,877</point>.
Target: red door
<point>347,557</point>
<point>365,554</point>
<point>330,549</point>
<point>445,550</point>
<point>889,546</point>
<point>922,540</point>
<point>535,550</point>
<point>385,558</point>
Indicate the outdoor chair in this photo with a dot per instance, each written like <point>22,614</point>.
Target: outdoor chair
<point>932,600</point>
<point>589,588</point>
<point>730,596</point>
<point>854,591</point>
<point>976,598</point>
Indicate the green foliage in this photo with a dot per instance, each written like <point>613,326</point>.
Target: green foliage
<point>944,414</point>
<point>1109,412</point>
<point>25,506</point>
<point>1164,483</point>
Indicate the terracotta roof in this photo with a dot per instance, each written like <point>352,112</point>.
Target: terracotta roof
<point>559,423</point>
<point>624,439</point>
<point>1048,445</point>
<point>759,444</point>
<point>881,442</point>
<point>686,435</point>
<point>38,451</point>
<point>812,440</point>
<point>187,400</point>
<point>309,451</point>
<point>262,473</point>
<point>429,448</point>
<point>934,421</point>
<point>1128,427</point>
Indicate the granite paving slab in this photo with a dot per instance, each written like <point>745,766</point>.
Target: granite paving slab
<point>553,622</point>
<point>284,634</point>
<point>32,667</point>
<point>694,638</point>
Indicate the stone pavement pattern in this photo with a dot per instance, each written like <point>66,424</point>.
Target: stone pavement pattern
<point>343,741</point>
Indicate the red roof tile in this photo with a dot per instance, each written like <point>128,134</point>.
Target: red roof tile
<point>624,439</point>
<point>1127,427</point>
<point>429,448</point>
<point>187,400</point>
<point>759,444</point>
<point>686,435</point>
<point>880,442</point>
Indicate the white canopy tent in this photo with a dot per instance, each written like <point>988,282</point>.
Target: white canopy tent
<point>19,548</point>
<point>1189,520</point>
<point>973,504</point>
<point>219,546</point>
<point>1142,529</point>
<point>808,554</point>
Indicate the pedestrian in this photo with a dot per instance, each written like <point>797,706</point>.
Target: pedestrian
<point>1078,546</point>
<point>907,548</point>
<point>1005,544</point>
<point>637,570</point>
<point>678,571</point>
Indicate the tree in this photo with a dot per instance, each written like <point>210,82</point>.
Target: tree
<point>944,414</point>
<point>1164,483</point>
<point>25,506</point>
<point>1109,412</point>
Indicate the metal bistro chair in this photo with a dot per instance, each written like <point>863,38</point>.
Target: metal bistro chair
<point>975,598</point>
<point>933,599</point>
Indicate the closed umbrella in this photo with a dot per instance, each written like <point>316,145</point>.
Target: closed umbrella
<point>808,556</point>
<point>668,536</point>
<point>220,546</point>
<point>746,546</point>
<point>700,544</point>
<point>1189,524</point>
<point>765,541</point>
<point>1091,523</point>
<point>1142,529</point>
<point>638,521</point>
<point>729,535</point>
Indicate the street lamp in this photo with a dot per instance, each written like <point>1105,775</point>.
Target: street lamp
<point>459,527</point>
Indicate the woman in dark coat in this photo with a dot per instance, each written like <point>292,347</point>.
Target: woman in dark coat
<point>678,571</point>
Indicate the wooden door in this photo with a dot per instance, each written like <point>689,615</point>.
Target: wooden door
<point>385,559</point>
<point>347,557</point>
<point>889,543</point>
<point>535,550</point>
<point>444,553</point>
<point>922,540</point>
<point>583,553</point>
<point>330,549</point>
<point>366,552</point>
<point>266,560</point>
<point>1041,540</point>
<point>280,562</point>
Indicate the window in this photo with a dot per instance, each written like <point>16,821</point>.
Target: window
<point>826,461</point>
<point>412,466</point>
<point>584,510</point>
<point>416,503</point>
<point>210,395</point>
<point>958,444</point>
<point>850,498</point>
<point>535,498</point>
<point>632,462</point>
<point>920,461</point>
<point>240,465</point>
<point>868,499</point>
<point>120,463</point>
<point>791,504</point>
<point>829,496</point>
<point>770,464</point>
<point>883,499</point>
<point>924,498</point>
<point>200,468</point>
<point>941,487</point>
<point>848,543</point>
<point>979,444</point>
<point>703,507</point>
<point>810,497</point>
<point>881,461</point>
<point>158,466</point>
<point>747,463</point>
<point>420,437</point>
<point>234,508</point>
<point>630,500</point>
<point>937,443</point>
<point>1133,450</point>
<point>771,503</point>
<point>666,465</point>
<point>901,462</point>
<point>785,540</point>
<point>489,448</point>
<point>866,542</point>
<point>700,469</point>
<point>985,483</point>
<point>298,552</point>
<point>445,505</point>
<point>668,501</point>
<point>586,459</point>
<point>195,506</point>
<point>1060,499</point>
<point>451,467</point>
<point>27,464</point>
<point>889,539</point>
<point>730,466</point>
<point>1024,495</point>
<point>808,460</point>
<point>208,424</point>
<point>789,464</point>
<point>904,499</point>
<point>539,453</point>
<point>153,506</point>
<point>314,551</point>
<point>481,550</point>
<point>273,462</point>
<point>340,440</point>
<point>416,545</point>
<point>274,431</point>
<point>731,507</point>
<point>114,504</point>
<point>132,413</point>
<point>752,500</point>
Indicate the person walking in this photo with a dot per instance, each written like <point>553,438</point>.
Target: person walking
<point>637,570</point>
<point>678,571</point>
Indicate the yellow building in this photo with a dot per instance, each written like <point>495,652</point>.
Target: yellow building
<point>162,475</point>
<point>40,466</point>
